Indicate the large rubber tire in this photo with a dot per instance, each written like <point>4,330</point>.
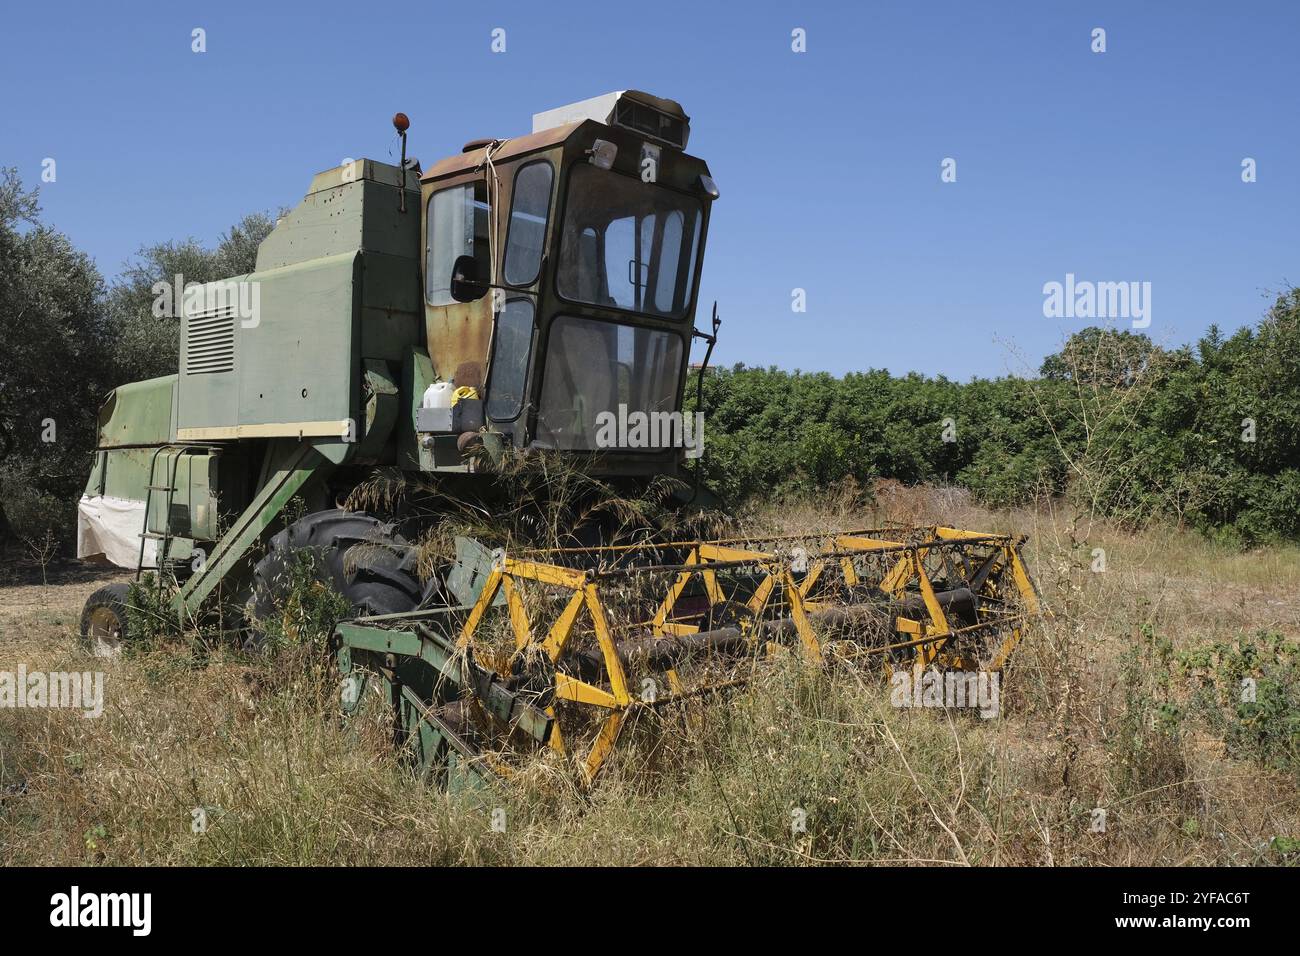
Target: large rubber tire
<point>362,557</point>
<point>103,620</point>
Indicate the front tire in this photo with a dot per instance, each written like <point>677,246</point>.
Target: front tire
<point>360,556</point>
<point>103,620</point>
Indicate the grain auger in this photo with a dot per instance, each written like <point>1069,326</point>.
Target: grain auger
<point>568,648</point>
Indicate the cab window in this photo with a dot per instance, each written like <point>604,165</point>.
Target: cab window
<point>457,226</point>
<point>527,233</point>
<point>511,345</point>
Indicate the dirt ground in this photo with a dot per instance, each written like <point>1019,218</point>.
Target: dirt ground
<point>40,618</point>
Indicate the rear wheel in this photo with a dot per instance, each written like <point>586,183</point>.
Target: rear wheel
<point>103,620</point>
<point>360,556</point>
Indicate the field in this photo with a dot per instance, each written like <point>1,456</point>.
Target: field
<point>1126,702</point>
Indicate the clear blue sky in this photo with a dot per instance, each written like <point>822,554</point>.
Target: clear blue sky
<point>1117,166</point>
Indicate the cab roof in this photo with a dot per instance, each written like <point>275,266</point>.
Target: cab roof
<point>472,158</point>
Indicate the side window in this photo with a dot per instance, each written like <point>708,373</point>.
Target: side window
<point>668,265</point>
<point>527,233</point>
<point>458,226</point>
<point>587,267</point>
<point>621,264</point>
<point>511,345</point>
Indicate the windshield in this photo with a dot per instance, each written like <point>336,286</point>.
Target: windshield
<point>596,370</point>
<point>628,244</point>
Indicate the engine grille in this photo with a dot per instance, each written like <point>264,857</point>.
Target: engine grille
<point>210,340</point>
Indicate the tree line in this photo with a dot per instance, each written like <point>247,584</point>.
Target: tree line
<point>69,338</point>
<point>1207,435</point>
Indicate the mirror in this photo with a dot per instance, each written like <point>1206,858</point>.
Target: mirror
<point>466,286</point>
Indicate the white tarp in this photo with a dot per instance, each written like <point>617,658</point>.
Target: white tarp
<point>109,528</point>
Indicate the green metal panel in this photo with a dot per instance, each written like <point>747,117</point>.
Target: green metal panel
<point>126,473</point>
<point>391,311</point>
<point>417,375</point>
<point>301,363</point>
<point>348,207</point>
<point>98,474</point>
<point>470,572</point>
<point>381,410</point>
<point>194,502</point>
<point>337,282</point>
<point>138,414</point>
<point>379,639</point>
<point>296,364</point>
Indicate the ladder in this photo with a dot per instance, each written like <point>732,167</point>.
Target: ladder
<point>164,537</point>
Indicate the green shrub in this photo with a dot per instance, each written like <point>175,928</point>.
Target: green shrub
<point>1146,749</point>
<point>1248,693</point>
<point>308,607</point>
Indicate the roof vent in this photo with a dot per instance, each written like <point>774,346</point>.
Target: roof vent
<point>658,119</point>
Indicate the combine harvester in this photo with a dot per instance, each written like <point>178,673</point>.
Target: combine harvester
<point>439,325</point>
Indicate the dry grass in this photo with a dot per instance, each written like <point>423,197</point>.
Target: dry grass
<point>285,783</point>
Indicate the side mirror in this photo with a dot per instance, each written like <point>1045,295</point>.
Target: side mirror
<point>466,286</point>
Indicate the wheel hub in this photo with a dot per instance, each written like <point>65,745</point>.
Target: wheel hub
<point>105,632</point>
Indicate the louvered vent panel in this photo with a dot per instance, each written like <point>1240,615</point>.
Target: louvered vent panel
<point>210,341</point>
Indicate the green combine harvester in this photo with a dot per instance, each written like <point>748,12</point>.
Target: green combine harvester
<point>513,301</point>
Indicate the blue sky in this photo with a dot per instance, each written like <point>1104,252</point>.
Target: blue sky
<point>1118,166</point>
